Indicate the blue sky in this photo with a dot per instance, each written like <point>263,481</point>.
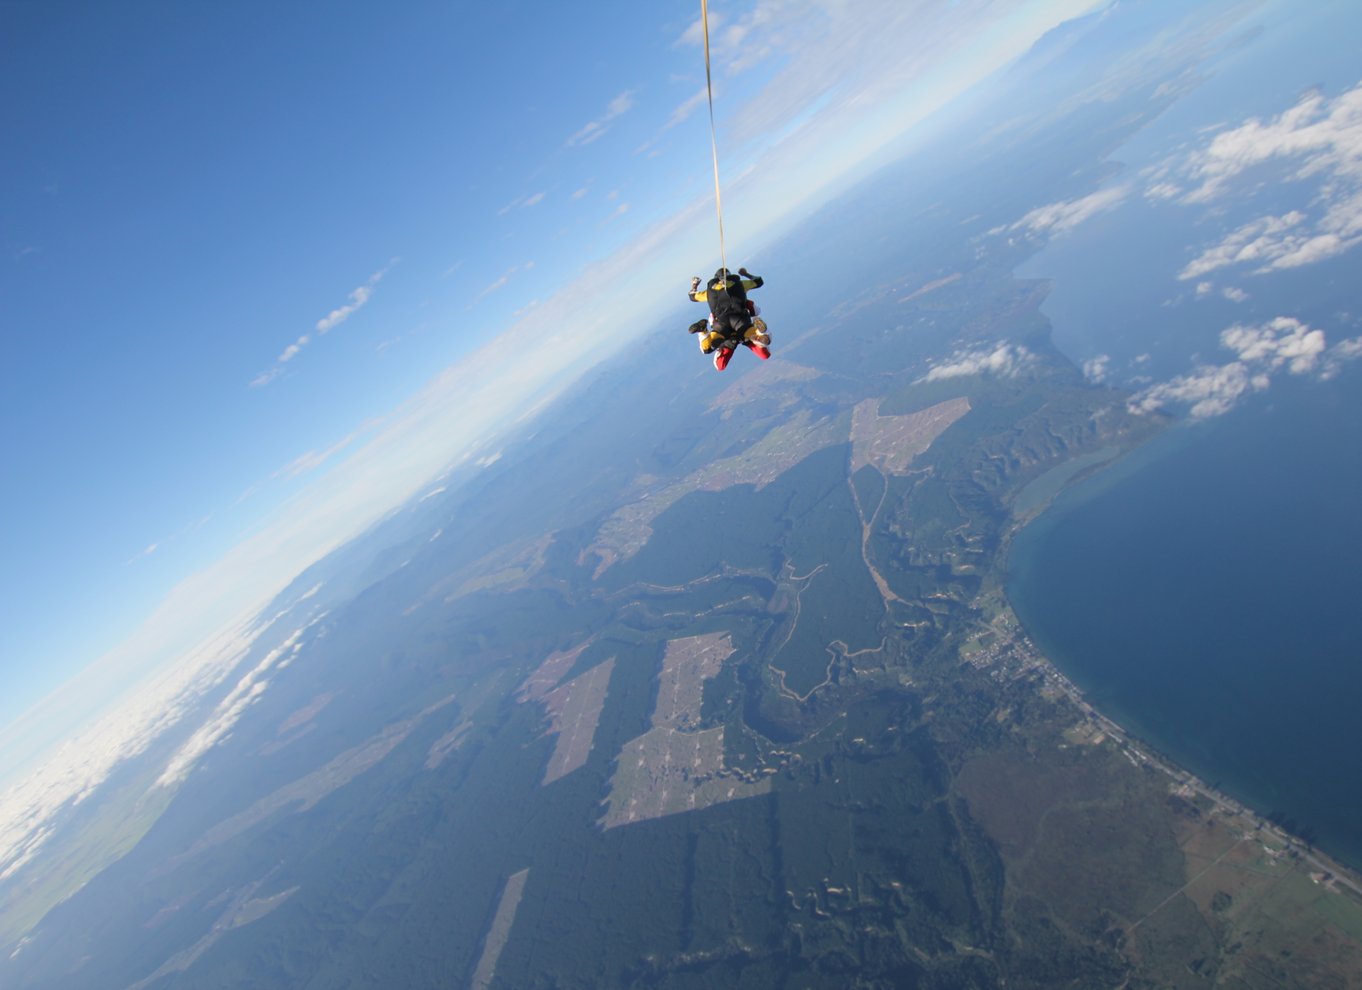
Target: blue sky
<point>251,256</point>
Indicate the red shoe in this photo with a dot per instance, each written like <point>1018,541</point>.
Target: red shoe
<point>721,358</point>
<point>759,350</point>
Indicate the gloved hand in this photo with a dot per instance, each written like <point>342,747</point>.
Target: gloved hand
<point>694,282</point>
<point>744,273</point>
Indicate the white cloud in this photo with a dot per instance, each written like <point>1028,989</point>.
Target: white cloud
<point>25,850</point>
<point>145,708</point>
<point>1059,218</point>
<point>885,64</point>
<point>1003,361</point>
<point>1310,250</point>
<point>156,545</point>
<point>1317,141</point>
<point>1348,350</point>
<point>1340,354</point>
<point>1260,241</point>
<point>1281,344</point>
<point>1320,136</point>
<point>502,280</point>
<point>695,32</point>
<point>1211,391</point>
<point>267,376</point>
<point>1095,369</point>
<point>358,297</point>
<point>595,129</point>
<point>687,107</point>
<point>146,551</point>
<point>228,711</point>
<point>291,351</point>
<point>313,459</point>
<point>31,809</point>
<point>497,283</point>
<point>522,203</point>
<point>1233,294</point>
<point>1283,341</point>
<point>748,38</point>
<point>683,112</point>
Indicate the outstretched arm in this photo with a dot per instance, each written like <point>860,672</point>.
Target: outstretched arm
<point>750,281</point>
<point>696,296</point>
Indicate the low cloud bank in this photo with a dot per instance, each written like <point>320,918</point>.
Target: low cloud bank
<point>1283,344</point>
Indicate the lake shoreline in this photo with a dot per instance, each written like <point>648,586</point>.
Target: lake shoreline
<point>1241,815</point>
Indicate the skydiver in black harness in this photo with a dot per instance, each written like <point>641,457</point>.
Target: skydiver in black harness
<point>733,317</point>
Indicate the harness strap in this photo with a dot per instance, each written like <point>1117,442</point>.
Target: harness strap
<point>713,140</point>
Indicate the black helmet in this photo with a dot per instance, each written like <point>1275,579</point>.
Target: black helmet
<point>721,273</point>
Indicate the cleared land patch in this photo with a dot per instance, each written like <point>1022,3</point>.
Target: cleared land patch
<point>500,929</point>
<point>665,772</point>
<point>931,286</point>
<point>574,710</point>
<point>769,385</point>
<point>305,792</point>
<point>547,675</point>
<point>891,442</point>
<point>243,907</point>
<point>675,766</point>
<point>686,665</point>
<point>446,744</point>
<point>629,528</point>
<point>306,714</point>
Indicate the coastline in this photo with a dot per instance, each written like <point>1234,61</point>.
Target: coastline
<point>1233,813</point>
<point>1027,658</point>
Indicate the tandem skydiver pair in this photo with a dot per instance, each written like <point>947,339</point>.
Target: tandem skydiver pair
<point>733,319</point>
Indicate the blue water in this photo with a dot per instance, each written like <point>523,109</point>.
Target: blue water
<point>1206,594</point>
